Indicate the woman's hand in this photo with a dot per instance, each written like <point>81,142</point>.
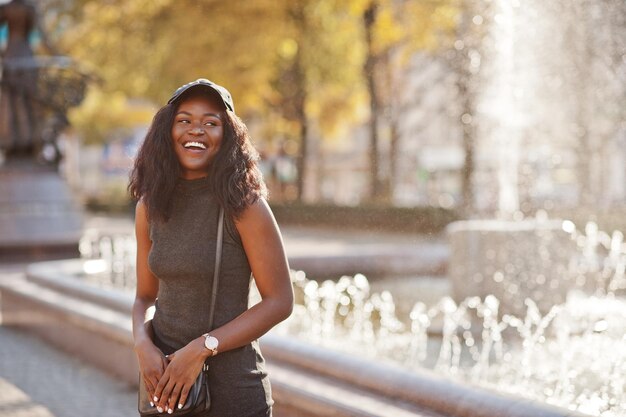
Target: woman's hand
<point>152,364</point>
<point>184,367</point>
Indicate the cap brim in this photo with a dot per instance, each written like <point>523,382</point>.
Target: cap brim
<point>188,88</point>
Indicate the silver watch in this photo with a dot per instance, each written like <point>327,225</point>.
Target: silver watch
<point>211,343</point>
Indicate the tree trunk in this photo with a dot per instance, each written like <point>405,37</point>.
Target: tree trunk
<point>469,143</point>
<point>461,63</point>
<point>394,133</point>
<point>392,113</point>
<point>299,101</point>
<point>369,17</point>
<point>583,77</point>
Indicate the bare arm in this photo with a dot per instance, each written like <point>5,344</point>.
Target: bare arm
<point>264,248</point>
<point>152,363</point>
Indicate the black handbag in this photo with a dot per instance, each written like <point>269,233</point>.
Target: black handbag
<point>199,398</point>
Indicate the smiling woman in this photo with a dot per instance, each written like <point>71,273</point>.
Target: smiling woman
<point>197,162</point>
<point>197,133</point>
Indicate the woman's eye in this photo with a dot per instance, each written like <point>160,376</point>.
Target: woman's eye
<point>183,121</point>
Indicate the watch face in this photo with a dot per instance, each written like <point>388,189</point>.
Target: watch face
<point>211,343</point>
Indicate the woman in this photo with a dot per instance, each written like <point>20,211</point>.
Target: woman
<point>197,157</point>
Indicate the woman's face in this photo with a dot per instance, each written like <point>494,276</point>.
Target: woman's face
<point>197,134</point>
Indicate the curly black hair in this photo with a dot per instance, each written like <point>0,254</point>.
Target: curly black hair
<point>235,178</point>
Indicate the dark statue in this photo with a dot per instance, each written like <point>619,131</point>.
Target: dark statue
<point>35,91</point>
<point>39,216</point>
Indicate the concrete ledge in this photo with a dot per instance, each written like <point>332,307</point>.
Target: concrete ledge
<point>96,326</point>
<point>57,275</point>
<point>422,388</point>
<point>372,264</point>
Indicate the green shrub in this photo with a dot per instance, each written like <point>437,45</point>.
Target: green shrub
<point>371,217</point>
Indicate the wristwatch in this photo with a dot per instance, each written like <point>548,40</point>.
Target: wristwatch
<point>211,343</point>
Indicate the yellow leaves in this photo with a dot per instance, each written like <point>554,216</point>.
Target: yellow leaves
<point>288,48</point>
<point>336,111</point>
<point>357,7</point>
<point>102,113</point>
<point>148,48</point>
<point>387,30</point>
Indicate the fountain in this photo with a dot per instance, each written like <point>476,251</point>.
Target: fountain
<point>573,355</point>
<point>39,216</point>
<point>538,280</point>
<point>535,84</point>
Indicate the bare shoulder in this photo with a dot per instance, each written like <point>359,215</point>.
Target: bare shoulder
<point>257,211</point>
<point>257,218</point>
<point>140,207</point>
<point>141,211</point>
<point>262,242</point>
<point>141,218</point>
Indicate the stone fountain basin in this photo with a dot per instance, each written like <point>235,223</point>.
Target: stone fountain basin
<point>512,260</point>
<point>95,324</point>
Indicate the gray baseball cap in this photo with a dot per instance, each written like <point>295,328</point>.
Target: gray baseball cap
<point>224,94</point>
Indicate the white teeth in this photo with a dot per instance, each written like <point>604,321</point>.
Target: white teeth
<point>196,144</point>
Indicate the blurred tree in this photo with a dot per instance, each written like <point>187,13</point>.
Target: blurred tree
<point>293,64</point>
<point>286,62</point>
<point>319,73</point>
<point>134,43</point>
<point>369,19</point>
<point>464,59</point>
<point>103,113</point>
<point>393,31</point>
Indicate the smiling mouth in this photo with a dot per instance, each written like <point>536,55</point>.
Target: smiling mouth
<point>194,145</point>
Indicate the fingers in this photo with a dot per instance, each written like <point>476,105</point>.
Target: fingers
<point>172,404</point>
<point>177,379</point>
<point>149,388</point>
<point>145,381</point>
<point>151,380</point>
<point>183,396</point>
<point>168,397</point>
<point>159,391</point>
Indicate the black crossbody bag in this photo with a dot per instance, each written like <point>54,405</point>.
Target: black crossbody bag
<point>198,398</point>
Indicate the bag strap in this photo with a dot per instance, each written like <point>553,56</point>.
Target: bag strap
<point>218,261</point>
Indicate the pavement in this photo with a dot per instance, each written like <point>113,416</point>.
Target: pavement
<point>37,380</point>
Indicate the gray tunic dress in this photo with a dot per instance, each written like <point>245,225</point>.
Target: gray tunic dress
<point>182,258</point>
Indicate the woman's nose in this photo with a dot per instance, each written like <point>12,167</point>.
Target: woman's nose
<point>197,130</point>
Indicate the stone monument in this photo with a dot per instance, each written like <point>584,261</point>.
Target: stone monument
<point>39,217</point>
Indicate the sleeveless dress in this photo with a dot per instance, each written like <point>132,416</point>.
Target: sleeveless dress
<point>182,257</point>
